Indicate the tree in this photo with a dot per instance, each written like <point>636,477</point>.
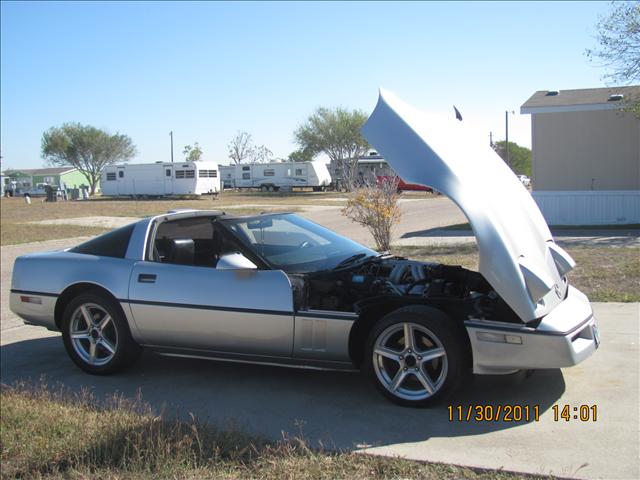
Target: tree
<point>335,132</point>
<point>241,147</point>
<point>261,154</point>
<point>519,157</point>
<point>192,154</point>
<point>86,148</point>
<point>376,208</point>
<point>302,155</point>
<point>618,37</point>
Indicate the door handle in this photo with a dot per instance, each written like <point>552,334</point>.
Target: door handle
<point>147,278</point>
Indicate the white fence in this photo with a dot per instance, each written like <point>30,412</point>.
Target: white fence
<point>589,207</point>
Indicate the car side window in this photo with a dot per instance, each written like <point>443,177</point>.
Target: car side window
<point>193,242</point>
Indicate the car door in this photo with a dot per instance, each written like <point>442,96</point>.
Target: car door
<point>236,311</point>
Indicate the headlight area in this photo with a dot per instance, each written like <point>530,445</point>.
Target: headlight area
<point>565,337</point>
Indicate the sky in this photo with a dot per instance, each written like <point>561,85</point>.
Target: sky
<point>208,70</point>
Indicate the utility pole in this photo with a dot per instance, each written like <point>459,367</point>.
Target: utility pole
<point>491,139</point>
<point>171,135</point>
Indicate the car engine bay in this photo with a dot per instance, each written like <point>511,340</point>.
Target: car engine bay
<point>412,282</point>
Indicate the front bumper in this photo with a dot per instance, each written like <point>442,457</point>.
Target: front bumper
<point>564,337</point>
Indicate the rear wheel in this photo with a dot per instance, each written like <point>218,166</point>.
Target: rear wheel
<point>414,356</point>
<point>263,188</point>
<point>96,335</point>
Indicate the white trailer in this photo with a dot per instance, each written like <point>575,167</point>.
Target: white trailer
<point>275,175</point>
<point>160,179</point>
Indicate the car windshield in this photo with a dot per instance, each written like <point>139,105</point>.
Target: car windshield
<point>295,244</point>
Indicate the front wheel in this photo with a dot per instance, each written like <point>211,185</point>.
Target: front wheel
<point>414,356</point>
<point>96,335</point>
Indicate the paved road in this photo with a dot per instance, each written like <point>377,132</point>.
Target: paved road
<point>342,410</point>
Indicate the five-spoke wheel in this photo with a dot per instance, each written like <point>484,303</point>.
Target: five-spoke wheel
<point>93,334</point>
<point>414,356</point>
<point>96,334</point>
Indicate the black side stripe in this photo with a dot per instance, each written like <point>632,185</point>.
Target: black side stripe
<point>208,307</point>
<point>326,316</point>
<point>38,294</point>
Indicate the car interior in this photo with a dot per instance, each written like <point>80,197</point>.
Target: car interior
<point>193,241</point>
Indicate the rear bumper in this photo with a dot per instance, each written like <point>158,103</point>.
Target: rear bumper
<point>34,308</point>
<point>565,337</point>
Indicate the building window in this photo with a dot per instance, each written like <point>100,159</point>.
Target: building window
<point>121,174</point>
<point>179,173</point>
<point>246,176</point>
<point>298,171</point>
<point>246,169</point>
<point>168,172</point>
<point>207,173</point>
<point>111,176</point>
<point>269,172</point>
<point>48,180</point>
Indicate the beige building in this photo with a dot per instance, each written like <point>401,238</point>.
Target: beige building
<point>586,155</point>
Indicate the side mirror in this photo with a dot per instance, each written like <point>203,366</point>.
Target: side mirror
<point>235,261</point>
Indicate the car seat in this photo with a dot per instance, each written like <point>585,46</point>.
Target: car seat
<point>181,251</point>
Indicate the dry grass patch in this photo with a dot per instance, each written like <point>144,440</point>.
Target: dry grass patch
<point>16,216</point>
<point>604,274</point>
<point>14,233</point>
<point>59,435</point>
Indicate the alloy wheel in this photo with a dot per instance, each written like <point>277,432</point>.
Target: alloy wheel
<point>410,361</point>
<point>93,334</point>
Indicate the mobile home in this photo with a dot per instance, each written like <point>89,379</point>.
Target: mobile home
<point>275,175</point>
<point>160,179</point>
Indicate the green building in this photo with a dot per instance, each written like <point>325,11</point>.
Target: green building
<point>63,177</point>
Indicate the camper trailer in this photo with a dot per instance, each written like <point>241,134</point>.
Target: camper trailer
<point>275,175</point>
<point>160,179</point>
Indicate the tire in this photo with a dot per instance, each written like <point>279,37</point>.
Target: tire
<point>402,373</point>
<point>271,188</point>
<point>97,348</point>
<point>263,188</point>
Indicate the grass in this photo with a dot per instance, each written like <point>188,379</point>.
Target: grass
<point>16,216</point>
<point>632,226</point>
<point>604,274</point>
<point>14,233</point>
<point>54,434</point>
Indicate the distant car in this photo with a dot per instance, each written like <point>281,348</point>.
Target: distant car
<point>526,181</point>
<point>280,289</point>
<point>402,185</point>
<point>40,190</point>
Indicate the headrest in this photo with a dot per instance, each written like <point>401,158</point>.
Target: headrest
<point>182,251</point>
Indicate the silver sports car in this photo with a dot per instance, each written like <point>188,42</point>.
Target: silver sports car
<point>279,289</point>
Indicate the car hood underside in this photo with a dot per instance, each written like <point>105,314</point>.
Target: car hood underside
<point>518,256</point>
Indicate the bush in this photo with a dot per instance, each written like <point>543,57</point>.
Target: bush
<point>376,208</point>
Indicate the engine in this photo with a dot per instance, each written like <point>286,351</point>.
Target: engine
<point>396,277</point>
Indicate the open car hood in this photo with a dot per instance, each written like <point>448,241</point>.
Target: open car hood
<point>518,256</point>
